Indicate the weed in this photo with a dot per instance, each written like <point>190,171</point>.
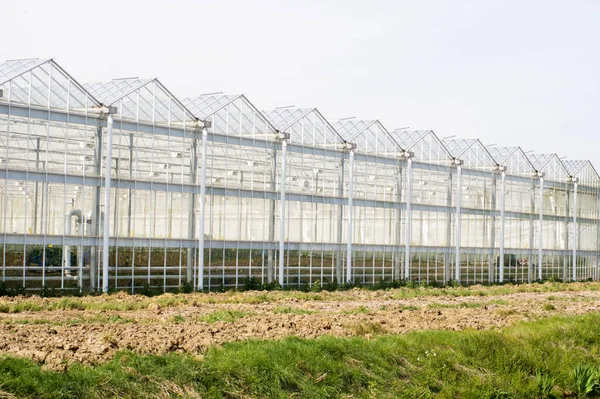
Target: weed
<point>367,328</point>
<point>408,307</point>
<point>229,316</point>
<point>359,310</point>
<point>69,304</point>
<point>548,307</point>
<point>506,312</point>
<point>466,364</point>
<point>25,307</point>
<point>586,380</point>
<point>186,288</point>
<point>544,384</point>
<point>252,284</point>
<point>316,286</point>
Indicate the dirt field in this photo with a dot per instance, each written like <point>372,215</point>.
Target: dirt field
<point>59,331</point>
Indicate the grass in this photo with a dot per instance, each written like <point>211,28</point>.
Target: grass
<point>125,302</point>
<point>548,307</point>
<point>229,316</point>
<point>454,306</point>
<point>358,310</point>
<point>290,310</point>
<point>545,358</point>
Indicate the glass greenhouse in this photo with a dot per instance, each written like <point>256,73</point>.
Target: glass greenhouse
<point>121,184</point>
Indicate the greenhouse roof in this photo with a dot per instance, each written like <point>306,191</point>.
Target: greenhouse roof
<point>306,126</point>
<point>573,166</point>
<point>141,99</point>
<point>472,152</point>
<point>43,82</point>
<point>552,166</point>
<point>231,114</point>
<point>13,68</point>
<point>370,136</point>
<point>515,160</point>
<point>425,144</point>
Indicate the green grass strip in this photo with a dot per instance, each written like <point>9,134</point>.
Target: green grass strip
<point>535,359</point>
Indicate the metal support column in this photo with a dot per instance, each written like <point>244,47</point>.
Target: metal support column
<point>349,234</point>
<point>502,232</point>
<point>541,228</point>
<point>35,200</point>
<point>492,243</point>
<point>458,164</point>
<point>96,210</point>
<point>270,252</point>
<point>448,242</point>
<point>530,271</point>
<point>192,211</point>
<point>129,193</point>
<point>282,216</point>
<point>340,221</point>
<point>107,181</point>
<point>575,180</point>
<point>595,271</point>
<point>200,285</point>
<point>409,173</point>
<point>398,222</point>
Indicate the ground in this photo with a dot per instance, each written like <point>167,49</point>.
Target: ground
<point>57,332</point>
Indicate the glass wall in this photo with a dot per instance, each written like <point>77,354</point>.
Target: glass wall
<point>212,192</point>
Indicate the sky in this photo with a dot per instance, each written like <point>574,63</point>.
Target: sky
<point>521,73</point>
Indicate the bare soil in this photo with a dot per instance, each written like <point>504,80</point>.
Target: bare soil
<point>99,326</point>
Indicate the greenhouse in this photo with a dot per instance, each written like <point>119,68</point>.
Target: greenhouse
<point>122,185</point>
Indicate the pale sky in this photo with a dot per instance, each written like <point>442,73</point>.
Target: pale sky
<point>509,72</point>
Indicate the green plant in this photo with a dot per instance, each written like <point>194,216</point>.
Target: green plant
<point>544,384</point>
<point>252,284</point>
<point>273,286</point>
<point>186,288</point>
<point>586,379</point>
<point>147,290</point>
<point>367,328</point>
<point>316,286</point>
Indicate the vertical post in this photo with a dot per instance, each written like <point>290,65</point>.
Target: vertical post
<point>107,177</point>
<point>270,252</point>
<point>574,229</point>
<point>200,284</point>
<point>491,270</point>
<point>448,227</point>
<point>282,216</point>
<point>398,222</point>
<point>349,235</point>
<point>191,210</point>
<point>35,200</point>
<point>129,193</point>
<point>541,229</point>
<point>595,271</point>
<point>408,215</point>
<point>502,206</point>
<point>340,221</point>
<point>96,211</point>
<point>530,271</point>
<point>458,219</point>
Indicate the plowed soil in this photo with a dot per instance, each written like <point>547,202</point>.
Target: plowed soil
<point>59,331</point>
